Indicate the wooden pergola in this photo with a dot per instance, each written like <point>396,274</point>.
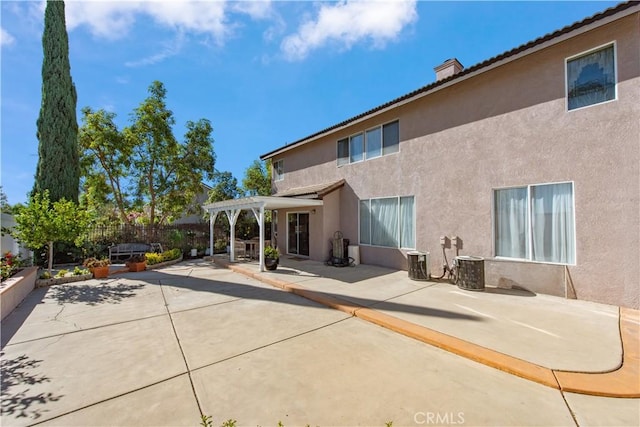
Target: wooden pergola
<point>257,205</point>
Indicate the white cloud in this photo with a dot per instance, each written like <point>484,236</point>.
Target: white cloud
<point>350,22</point>
<point>170,49</point>
<point>114,19</point>
<point>6,39</point>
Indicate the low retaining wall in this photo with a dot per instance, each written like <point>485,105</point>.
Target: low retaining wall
<point>16,288</point>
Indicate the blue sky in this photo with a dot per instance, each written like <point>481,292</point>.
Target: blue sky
<point>265,73</point>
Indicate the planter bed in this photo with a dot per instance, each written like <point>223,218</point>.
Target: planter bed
<point>164,264</point>
<point>61,280</point>
<point>16,288</point>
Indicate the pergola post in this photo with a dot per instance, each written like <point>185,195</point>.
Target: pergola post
<point>260,218</point>
<point>212,220</point>
<point>233,215</point>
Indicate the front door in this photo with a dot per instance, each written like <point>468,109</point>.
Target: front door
<point>298,233</point>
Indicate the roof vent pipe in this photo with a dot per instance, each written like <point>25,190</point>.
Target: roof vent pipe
<point>448,68</point>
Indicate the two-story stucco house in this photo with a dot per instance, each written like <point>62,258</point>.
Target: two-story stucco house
<point>531,159</point>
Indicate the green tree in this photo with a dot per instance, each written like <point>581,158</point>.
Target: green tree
<point>225,187</point>
<point>42,222</point>
<point>257,179</point>
<point>167,174</point>
<point>144,167</point>
<point>105,163</point>
<point>58,169</point>
<point>5,207</point>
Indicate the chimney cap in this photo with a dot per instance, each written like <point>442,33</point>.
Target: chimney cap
<point>451,62</point>
<point>448,68</point>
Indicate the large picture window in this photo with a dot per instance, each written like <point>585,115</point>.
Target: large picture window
<point>388,222</point>
<point>535,223</point>
<point>374,142</point>
<point>591,78</point>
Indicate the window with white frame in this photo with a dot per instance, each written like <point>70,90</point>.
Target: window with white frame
<point>591,77</point>
<point>374,142</point>
<point>389,222</point>
<point>535,223</point>
<point>278,170</point>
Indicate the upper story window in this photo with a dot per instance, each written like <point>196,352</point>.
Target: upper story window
<point>278,170</point>
<point>535,223</point>
<point>374,142</point>
<point>591,77</point>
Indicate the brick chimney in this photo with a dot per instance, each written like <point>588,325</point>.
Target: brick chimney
<point>448,68</point>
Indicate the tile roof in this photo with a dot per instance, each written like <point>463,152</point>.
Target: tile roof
<point>475,68</point>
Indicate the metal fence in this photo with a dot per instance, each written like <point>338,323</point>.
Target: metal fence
<point>183,236</point>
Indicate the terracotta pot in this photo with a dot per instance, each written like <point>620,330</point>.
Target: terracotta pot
<point>137,266</point>
<point>100,272</point>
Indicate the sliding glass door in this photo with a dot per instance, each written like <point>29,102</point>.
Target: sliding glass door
<point>298,233</point>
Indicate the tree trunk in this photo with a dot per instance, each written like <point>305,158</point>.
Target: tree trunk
<point>50,244</point>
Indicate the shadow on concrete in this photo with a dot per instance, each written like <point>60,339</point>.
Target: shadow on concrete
<point>19,375</point>
<point>246,291</point>
<point>516,292</point>
<point>110,293</point>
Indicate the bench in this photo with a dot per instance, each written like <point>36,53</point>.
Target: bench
<point>123,251</point>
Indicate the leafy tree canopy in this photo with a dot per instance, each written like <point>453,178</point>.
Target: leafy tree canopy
<point>225,187</point>
<point>42,222</point>
<point>5,207</point>
<point>143,166</point>
<point>257,179</point>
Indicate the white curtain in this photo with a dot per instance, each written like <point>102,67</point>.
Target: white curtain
<point>511,228</point>
<point>552,221</point>
<point>407,223</point>
<point>591,78</point>
<point>384,222</point>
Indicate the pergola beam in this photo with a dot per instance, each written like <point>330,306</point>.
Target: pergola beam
<point>257,204</point>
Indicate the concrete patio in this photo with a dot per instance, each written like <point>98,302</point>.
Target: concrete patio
<point>163,347</point>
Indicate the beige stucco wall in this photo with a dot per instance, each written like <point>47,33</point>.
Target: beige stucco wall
<point>506,127</point>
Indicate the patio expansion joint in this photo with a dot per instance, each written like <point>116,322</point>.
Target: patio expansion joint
<point>621,383</point>
<point>271,344</point>
<point>80,330</point>
<point>46,420</point>
<point>184,357</point>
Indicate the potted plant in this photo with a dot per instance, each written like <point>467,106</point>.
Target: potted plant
<point>137,262</point>
<point>271,258</point>
<point>98,267</point>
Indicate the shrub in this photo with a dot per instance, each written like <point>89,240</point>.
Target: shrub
<point>271,252</point>
<point>10,265</point>
<point>220,245</point>
<point>153,258</point>
<point>95,262</point>
<point>62,273</point>
<point>170,255</point>
<point>80,271</point>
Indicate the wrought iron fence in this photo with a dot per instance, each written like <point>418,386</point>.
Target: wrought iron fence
<point>183,236</point>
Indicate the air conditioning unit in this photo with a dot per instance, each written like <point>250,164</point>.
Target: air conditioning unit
<point>419,265</point>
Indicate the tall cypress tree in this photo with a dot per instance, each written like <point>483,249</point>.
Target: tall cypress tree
<point>58,167</point>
